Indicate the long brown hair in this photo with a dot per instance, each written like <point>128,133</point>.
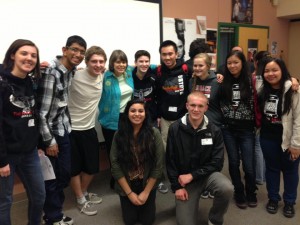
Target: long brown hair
<point>8,63</point>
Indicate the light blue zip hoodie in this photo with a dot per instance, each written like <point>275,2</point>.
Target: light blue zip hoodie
<point>109,105</point>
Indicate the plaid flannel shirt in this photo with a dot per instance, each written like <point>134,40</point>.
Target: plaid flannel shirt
<point>53,99</point>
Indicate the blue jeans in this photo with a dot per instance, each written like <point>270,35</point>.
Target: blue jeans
<point>259,162</point>
<point>240,146</point>
<point>278,161</point>
<point>55,196</point>
<point>28,168</point>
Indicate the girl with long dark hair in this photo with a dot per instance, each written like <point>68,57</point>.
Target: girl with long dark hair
<point>280,134</point>
<point>137,163</point>
<point>238,130</point>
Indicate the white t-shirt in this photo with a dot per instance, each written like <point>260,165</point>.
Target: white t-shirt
<point>84,95</point>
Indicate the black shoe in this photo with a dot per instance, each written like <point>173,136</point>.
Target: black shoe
<point>65,220</point>
<point>272,206</point>
<point>240,200</point>
<point>252,200</point>
<point>288,210</point>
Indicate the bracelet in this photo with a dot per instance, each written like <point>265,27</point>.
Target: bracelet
<point>129,193</point>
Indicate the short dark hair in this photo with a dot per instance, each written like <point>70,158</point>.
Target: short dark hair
<point>198,46</point>
<point>259,58</point>
<point>76,39</point>
<point>261,54</point>
<point>140,53</point>
<point>168,43</point>
<point>116,55</point>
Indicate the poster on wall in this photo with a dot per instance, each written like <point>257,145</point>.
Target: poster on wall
<point>274,50</point>
<point>182,32</point>
<point>201,21</point>
<point>213,56</point>
<point>242,11</point>
<point>252,49</point>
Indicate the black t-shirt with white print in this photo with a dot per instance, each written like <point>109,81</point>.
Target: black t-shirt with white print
<point>271,119</point>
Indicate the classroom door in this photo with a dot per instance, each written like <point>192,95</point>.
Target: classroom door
<point>253,39</point>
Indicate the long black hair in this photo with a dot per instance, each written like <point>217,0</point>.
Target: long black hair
<point>244,79</point>
<point>265,92</point>
<point>126,141</point>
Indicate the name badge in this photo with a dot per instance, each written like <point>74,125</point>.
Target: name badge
<point>206,141</point>
<point>31,123</point>
<point>62,104</point>
<point>172,109</point>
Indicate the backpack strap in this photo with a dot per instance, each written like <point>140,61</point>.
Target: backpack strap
<point>158,71</point>
<point>185,69</point>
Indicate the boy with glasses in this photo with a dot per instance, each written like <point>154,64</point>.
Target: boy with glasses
<point>55,126</point>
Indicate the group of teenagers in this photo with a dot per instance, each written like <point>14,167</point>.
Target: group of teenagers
<point>177,117</point>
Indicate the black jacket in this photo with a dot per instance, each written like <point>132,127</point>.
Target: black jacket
<point>196,151</point>
<point>172,87</point>
<point>146,90</point>
<point>18,120</point>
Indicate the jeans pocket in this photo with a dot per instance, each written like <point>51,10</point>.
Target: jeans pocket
<point>287,156</point>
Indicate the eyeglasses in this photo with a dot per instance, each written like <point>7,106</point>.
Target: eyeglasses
<point>76,50</point>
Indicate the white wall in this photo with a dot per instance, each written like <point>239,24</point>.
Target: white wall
<point>112,24</point>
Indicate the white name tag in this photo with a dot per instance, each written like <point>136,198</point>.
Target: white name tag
<point>208,96</point>
<point>31,123</point>
<point>62,104</point>
<point>206,141</point>
<point>172,109</point>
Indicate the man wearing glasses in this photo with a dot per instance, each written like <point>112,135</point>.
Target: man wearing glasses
<point>55,126</point>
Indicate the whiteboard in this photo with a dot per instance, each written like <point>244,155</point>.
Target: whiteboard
<point>111,24</point>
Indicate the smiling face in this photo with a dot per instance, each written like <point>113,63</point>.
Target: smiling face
<point>200,68</point>
<point>96,65</point>
<point>119,67</point>
<point>73,55</point>
<point>234,65</point>
<point>137,114</point>
<point>273,74</point>
<point>168,56</point>
<point>142,64</point>
<point>25,60</point>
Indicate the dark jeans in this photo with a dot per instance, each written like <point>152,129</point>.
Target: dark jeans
<point>28,168</point>
<point>144,214</point>
<point>108,135</point>
<point>240,146</point>
<point>278,161</point>
<point>55,188</point>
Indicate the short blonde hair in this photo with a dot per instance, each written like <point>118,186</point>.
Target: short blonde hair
<point>197,94</point>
